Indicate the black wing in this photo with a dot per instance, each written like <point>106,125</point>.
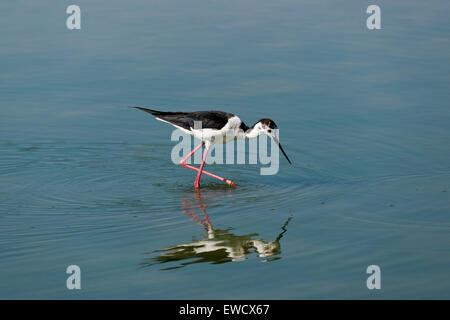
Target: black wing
<point>209,119</point>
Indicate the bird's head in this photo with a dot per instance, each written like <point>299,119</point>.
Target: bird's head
<point>268,127</point>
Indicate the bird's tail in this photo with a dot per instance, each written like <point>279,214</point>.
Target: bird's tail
<point>153,112</point>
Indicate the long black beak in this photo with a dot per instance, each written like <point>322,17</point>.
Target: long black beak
<point>282,150</point>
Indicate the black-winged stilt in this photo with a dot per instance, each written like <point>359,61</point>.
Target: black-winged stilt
<point>216,127</point>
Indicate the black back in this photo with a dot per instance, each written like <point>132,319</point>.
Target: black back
<point>209,119</point>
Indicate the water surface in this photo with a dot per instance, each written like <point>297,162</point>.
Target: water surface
<point>85,180</point>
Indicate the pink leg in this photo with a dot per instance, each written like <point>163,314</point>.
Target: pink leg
<point>197,181</point>
<point>183,163</point>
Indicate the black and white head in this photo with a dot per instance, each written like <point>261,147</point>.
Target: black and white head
<point>268,127</point>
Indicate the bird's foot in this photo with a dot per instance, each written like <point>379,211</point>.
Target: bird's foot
<point>231,183</point>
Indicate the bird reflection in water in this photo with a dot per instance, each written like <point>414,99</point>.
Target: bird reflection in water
<point>215,246</point>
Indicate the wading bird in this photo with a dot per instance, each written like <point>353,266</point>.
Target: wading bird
<point>216,127</point>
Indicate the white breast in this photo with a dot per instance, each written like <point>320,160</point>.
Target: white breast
<point>224,135</point>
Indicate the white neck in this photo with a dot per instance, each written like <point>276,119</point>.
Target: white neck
<point>252,133</point>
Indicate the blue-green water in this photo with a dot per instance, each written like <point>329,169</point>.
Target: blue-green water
<point>364,115</point>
